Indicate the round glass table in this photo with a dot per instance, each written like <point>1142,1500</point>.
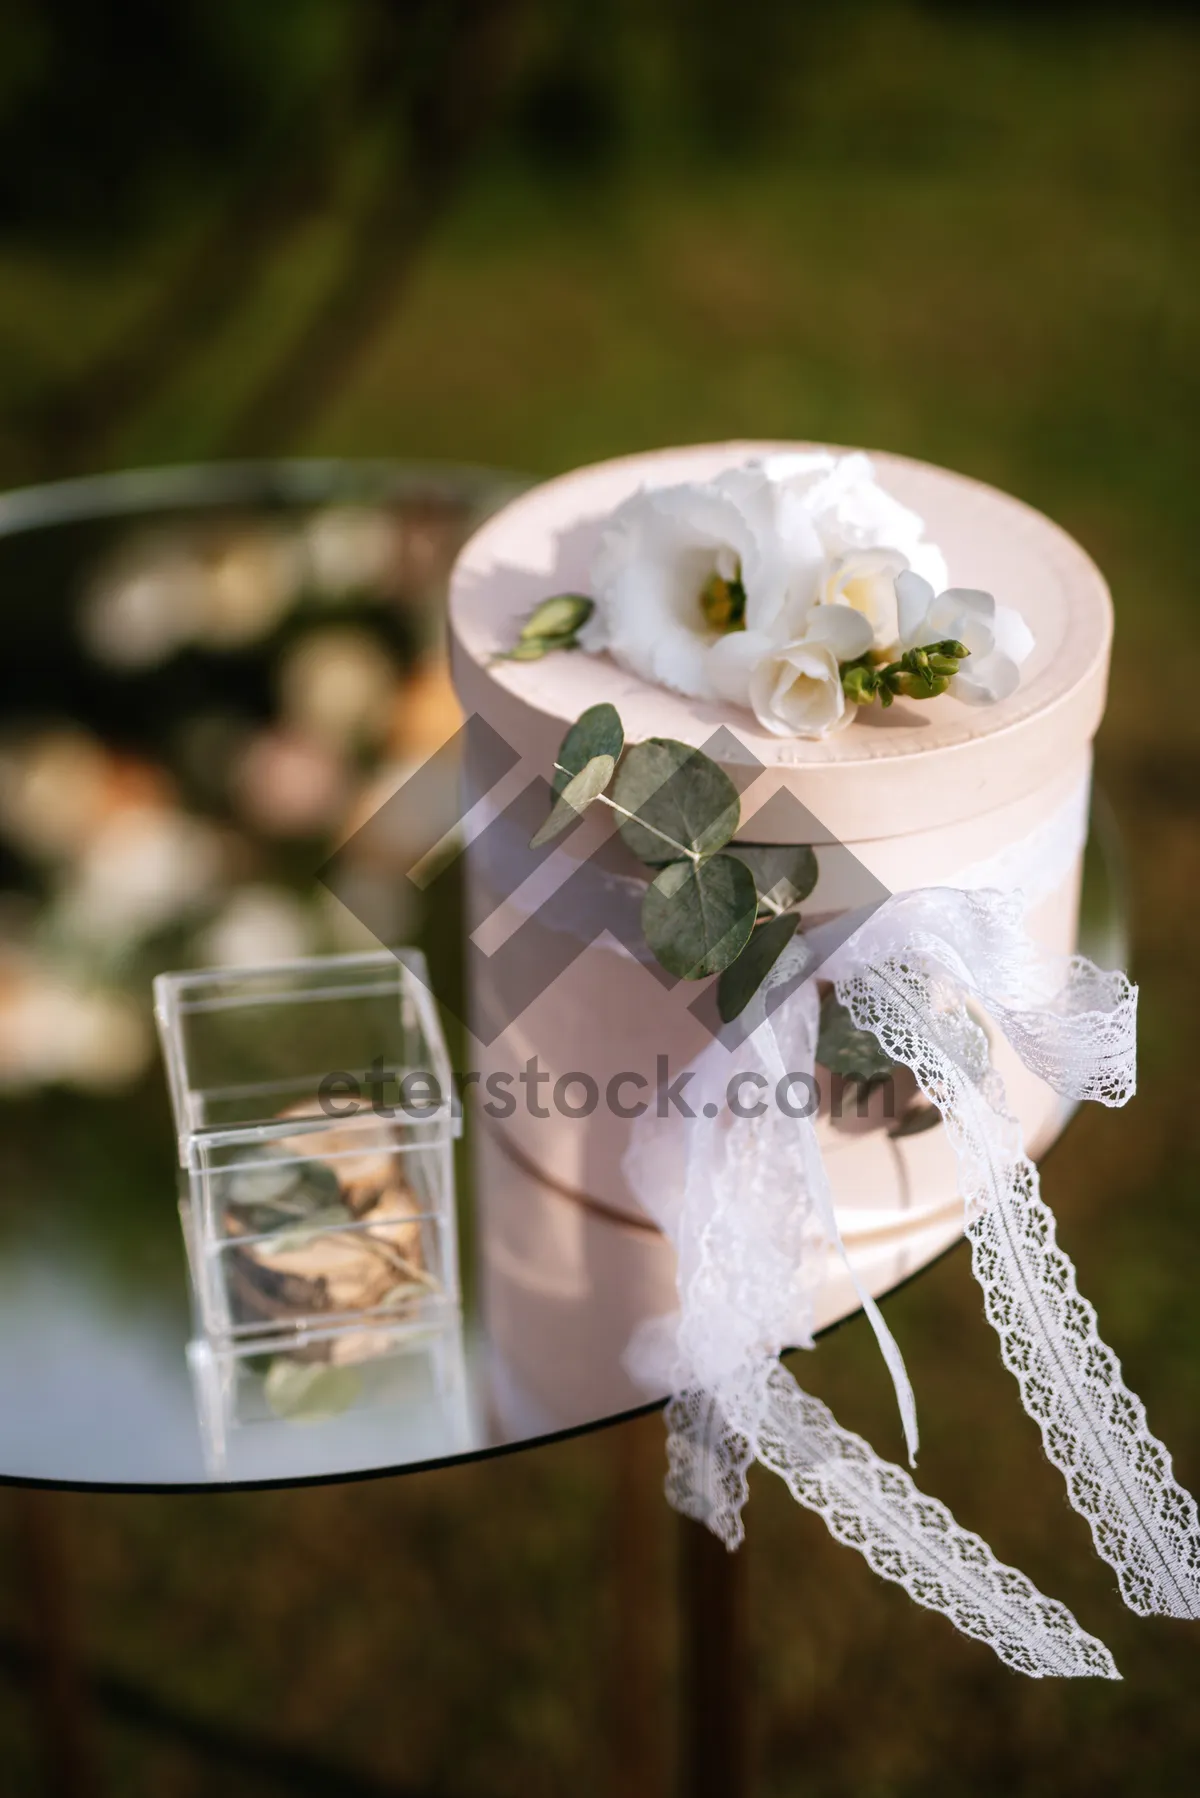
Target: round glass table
<point>208,670</point>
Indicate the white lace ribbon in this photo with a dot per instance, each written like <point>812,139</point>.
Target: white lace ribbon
<point>746,1203</point>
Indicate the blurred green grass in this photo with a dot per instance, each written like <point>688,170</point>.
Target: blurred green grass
<point>971,239</point>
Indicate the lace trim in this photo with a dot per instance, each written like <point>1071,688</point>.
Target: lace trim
<point>913,1540</point>
<point>1093,1428</point>
<point>746,1203</point>
<point>874,1507</point>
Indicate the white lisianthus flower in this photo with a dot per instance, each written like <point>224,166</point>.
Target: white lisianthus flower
<point>669,554</point>
<point>796,688</point>
<point>998,638</point>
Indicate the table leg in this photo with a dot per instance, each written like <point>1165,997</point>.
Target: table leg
<point>712,1611</point>
<point>641,1614</point>
<point>58,1683</point>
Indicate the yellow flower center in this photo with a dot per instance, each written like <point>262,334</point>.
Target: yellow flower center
<point>723,603</point>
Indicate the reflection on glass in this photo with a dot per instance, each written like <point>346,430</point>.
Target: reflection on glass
<point>217,669</point>
<point>212,673</point>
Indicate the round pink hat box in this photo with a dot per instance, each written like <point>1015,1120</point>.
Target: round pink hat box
<point>920,795</point>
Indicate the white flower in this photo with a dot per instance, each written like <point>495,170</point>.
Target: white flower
<point>54,1031</point>
<point>338,685</point>
<point>852,512</point>
<point>147,866</point>
<point>259,923</point>
<point>998,638</point>
<point>173,587</point>
<point>351,550</point>
<point>660,551</point>
<point>866,580</point>
<point>250,580</point>
<point>796,688</point>
<point>716,589</point>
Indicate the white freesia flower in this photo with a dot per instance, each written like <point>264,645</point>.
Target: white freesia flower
<point>796,688</point>
<point>659,553</point>
<point>865,579</point>
<point>998,638</point>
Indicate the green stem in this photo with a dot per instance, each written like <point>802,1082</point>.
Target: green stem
<point>693,855</point>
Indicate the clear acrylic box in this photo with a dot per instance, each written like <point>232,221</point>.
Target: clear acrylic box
<point>364,1398</point>
<point>316,1118</point>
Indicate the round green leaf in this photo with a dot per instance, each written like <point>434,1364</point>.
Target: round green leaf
<point>598,731</point>
<point>844,1049</point>
<point>678,796</point>
<point>785,873</point>
<point>560,616</point>
<point>575,798</point>
<point>310,1390</point>
<point>697,916</point>
<point>742,979</point>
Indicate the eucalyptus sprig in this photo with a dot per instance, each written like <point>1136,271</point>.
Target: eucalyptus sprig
<point>919,674</point>
<point>712,906</point>
<point>554,624</point>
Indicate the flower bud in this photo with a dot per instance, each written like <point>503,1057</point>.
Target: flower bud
<point>859,684</point>
<point>951,647</point>
<point>943,664</point>
<point>921,686</point>
<point>532,649</point>
<point>560,616</point>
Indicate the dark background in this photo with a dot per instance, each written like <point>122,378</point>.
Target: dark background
<point>534,235</point>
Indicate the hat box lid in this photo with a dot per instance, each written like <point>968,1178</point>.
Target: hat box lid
<point>934,764</point>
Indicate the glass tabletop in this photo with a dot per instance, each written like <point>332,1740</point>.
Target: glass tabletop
<point>209,672</point>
